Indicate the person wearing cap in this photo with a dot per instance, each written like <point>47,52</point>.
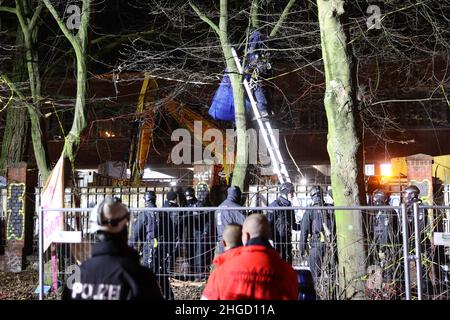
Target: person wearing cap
<point>283,221</point>
<point>224,216</point>
<point>113,272</point>
<point>145,228</point>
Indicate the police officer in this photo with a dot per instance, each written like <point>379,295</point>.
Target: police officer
<point>224,216</point>
<point>144,229</point>
<point>202,233</point>
<point>188,227</point>
<point>283,221</point>
<point>385,233</point>
<point>318,226</point>
<point>114,271</point>
<point>168,240</point>
<point>411,196</point>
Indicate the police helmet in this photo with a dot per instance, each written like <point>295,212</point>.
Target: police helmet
<point>316,191</point>
<point>202,192</point>
<point>380,197</point>
<point>411,192</point>
<point>287,188</point>
<point>189,192</point>
<point>150,196</point>
<point>110,215</point>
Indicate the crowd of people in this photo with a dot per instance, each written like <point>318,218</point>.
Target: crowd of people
<point>247,256</point>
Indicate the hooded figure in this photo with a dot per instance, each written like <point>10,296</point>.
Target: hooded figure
<point>223,216</point>
<point>113,272</point>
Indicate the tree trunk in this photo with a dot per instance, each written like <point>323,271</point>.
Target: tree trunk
<point>29,32</point>
<point>343,147</point>
<point>79,43</point>
<point>79,121</point>
<point>240,166</point>
<point>15,134</point>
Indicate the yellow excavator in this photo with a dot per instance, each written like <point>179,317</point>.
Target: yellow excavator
<point>186,117</point>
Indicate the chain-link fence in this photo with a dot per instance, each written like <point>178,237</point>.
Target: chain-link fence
<point>181,243</point>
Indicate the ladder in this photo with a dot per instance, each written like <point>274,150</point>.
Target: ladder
<point>267,133</point>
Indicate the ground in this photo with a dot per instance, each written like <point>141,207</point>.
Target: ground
<point>18,286</point>
<point>21,286</point>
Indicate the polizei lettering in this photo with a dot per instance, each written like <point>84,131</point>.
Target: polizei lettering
<point>89,291</point>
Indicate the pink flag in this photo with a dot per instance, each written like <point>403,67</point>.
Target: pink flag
<point>53,197</point>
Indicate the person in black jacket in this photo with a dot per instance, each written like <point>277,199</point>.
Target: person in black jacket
<point>201,231</point>
<point>114,271</point>
<point>385,234</point>
<point>317,230</point>
<point>145,229</point>
<point>283,221</point>
<point>167,242</point>
<point>224,216</point>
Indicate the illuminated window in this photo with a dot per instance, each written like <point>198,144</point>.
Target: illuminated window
<point>369,169</point>
<point>386,169</point>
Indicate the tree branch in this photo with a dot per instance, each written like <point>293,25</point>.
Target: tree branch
<point>62,26</point>
<point>8,9</point>
<point>35,17</point>
<point>254,13</point>
<point>282,18</point>
<point>204,17</point>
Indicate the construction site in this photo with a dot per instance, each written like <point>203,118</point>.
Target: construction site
<point>345,104</point>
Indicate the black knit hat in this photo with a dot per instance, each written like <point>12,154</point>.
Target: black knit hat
<point>171,195</point>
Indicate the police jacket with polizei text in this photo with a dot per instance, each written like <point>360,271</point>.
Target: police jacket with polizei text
<point>114,273</point>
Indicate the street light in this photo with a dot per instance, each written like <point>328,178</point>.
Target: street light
<point>386,169</point>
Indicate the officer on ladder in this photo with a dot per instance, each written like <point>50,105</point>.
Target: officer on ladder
<point>318,226</point>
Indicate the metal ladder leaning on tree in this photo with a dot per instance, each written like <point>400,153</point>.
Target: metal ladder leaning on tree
<point>267,133</point>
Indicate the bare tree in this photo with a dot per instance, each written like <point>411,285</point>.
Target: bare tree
<point>79,43</point>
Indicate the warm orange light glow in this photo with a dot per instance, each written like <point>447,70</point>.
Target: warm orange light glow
<point>386,169</point>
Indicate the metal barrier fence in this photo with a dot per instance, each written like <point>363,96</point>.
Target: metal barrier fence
<point>3,219</point>
<point>182,242</point>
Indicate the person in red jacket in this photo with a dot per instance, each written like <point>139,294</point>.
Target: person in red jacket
<point>232,242</point>
<point>257,273</point>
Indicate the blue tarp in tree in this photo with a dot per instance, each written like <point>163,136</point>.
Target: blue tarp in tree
<point>222,106</point>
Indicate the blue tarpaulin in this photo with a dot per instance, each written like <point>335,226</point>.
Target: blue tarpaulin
<point>222,106</point>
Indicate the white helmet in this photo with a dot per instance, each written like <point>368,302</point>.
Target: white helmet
<point>110,215</point>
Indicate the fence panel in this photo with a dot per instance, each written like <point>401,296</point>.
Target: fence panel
<point>182,244</point>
